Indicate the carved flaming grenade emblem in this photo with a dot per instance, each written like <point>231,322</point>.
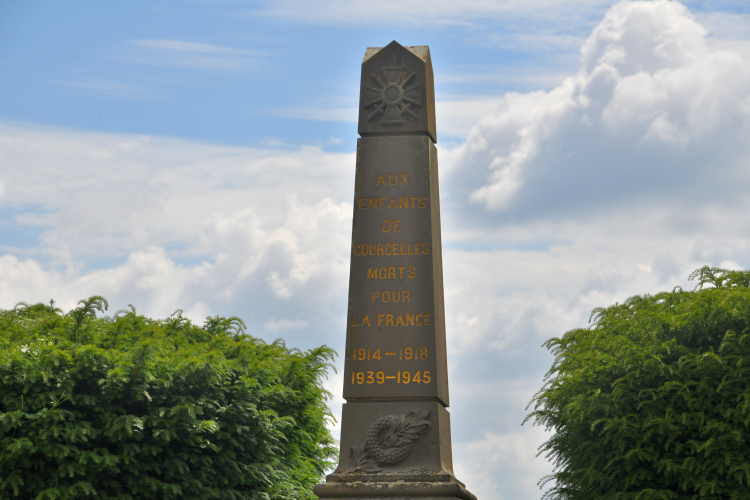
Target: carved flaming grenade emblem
<point>391,96</point>
<point>389,441</point>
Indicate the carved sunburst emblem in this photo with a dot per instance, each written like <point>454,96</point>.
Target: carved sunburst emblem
<point>391,96</point>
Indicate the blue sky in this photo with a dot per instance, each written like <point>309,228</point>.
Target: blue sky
<point>241,72</point>
<point>200,155</point>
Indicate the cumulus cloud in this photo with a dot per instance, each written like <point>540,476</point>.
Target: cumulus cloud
<point>654,111</point>
<point>167,224</point>
<point>510,455</point>
<point>620,180</point>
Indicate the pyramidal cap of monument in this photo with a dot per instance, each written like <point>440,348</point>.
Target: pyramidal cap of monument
<point>397,92</point>
<point>395,428</point>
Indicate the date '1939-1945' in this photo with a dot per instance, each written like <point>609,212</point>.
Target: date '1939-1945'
<point>401,377</point>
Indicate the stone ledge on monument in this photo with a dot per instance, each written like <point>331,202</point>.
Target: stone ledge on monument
<point>394,490</point>
<point>413,476</point>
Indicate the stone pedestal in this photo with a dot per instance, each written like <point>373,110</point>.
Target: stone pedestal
<point>426,471</point>
<point>395,437</point>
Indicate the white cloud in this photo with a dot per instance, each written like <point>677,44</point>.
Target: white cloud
<point>167,224</point>
<point>620,180</point>
<point>725,25</point>
<point>318,113</point>
<point>513,455</point>
<point>424,12</point>
<point>189,47</point>
<point>192,54</point>
<point>116,89</point>
<point>281,325</point>
<point>650,106</point>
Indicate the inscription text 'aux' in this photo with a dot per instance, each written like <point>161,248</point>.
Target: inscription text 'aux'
<point>391,296</point>
<point>392,203</point>
<point>391,249</point>
<point>397,179</point>
<point>396,320</point>
<point>391,273</point>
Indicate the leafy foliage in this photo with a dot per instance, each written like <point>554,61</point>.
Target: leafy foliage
<point>128,407</point>
<point>652,401</point>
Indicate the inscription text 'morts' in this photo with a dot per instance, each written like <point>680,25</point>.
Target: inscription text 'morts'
<point>391,273</point>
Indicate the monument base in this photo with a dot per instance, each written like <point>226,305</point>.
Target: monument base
<point>400,488</point>
<point>425,473</point>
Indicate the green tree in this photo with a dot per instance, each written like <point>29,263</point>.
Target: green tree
<point>129,407</point>
<point>652,401</point>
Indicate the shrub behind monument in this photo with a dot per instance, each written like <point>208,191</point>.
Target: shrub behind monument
<point>130,407</point>
<point>653,400</point>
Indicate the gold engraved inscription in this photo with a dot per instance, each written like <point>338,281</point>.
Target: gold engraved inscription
<point>401,377</point>
<point>375,249</point>
<point>396,224</point>
<point>390,273</point>
<point>393,203</point>
<point>403,353</point>
<point>404,319</point>
<point>391,296</point>
<point>397,179</point>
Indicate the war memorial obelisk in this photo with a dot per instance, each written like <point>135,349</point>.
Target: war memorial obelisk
<point>395,429</point>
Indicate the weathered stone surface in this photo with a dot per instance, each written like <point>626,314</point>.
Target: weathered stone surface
<point>396,491</point>
<point>397,93</point>
<point>429,452</point>
<point>395,429</point>
<point>395,346</point>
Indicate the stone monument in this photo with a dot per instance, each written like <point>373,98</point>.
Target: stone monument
<point>395,429</point>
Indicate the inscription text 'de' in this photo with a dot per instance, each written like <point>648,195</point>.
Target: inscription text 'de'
<point>396,224</point>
